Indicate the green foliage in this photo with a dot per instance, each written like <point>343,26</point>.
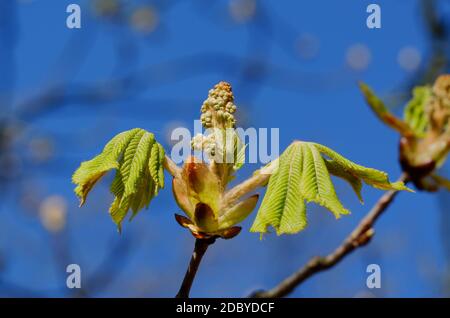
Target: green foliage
<point>414,113</point>
<point>375,178</point>
<point>382,112</point>
<point>138,161</point>
<point>283,205</point>
<point>415,119</point>
<point>303,175</point>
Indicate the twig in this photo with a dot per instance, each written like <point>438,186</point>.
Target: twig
<point>201,245</point>
<point>360,236</point>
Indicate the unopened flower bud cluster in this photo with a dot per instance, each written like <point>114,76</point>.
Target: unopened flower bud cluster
<point>218,109</point>
<point>205,143</point>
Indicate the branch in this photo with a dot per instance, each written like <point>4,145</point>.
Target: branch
<point>360,236</point>
<point>201,245</point>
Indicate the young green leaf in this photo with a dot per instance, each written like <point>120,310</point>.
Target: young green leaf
<point>375,178</point>
<point>337,170</point>
<point>91,171</point>
<point>303,175</point>
<point>316,185</point>
<point>283,206</point>
<point>414,113</point>
<point>139,172</point>
<point>156,164</point>
<point>382,112</point>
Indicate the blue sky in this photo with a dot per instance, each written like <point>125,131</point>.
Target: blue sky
<point>157,80</point>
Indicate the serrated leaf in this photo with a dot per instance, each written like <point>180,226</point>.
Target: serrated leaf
<point>139,157</point>
<point>303,174</point>
<point>283,206</point>
<point>144,195</point>
<point>153,164</point>
<point>162,155</point>
<point>316,185</point>
<point>119,187</point>
<point>337,170</point>
<point>89,172</point>
<point>376,178</point>
<point>135,177</point>
<point>137,184</point>
<point>414,113</point>
<point>133,185</point>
